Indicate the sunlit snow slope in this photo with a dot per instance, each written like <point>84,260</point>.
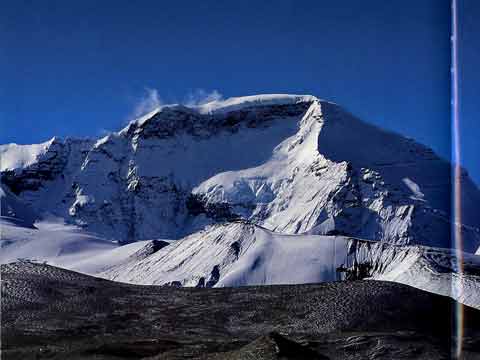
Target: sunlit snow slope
<point>237,254</point>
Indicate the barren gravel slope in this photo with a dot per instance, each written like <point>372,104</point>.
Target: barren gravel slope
<point>54,313</point>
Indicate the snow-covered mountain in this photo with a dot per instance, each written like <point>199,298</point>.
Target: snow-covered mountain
<point>264,189</point>
<point>292,164</point>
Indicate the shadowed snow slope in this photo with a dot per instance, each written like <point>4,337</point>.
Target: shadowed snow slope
<point>52,241</point>
<point>68,246</point>
<point>14,210</point>
<point>292,164</point>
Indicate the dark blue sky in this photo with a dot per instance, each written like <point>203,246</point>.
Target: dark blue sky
<point>76,68</point>
<point>469,79</point>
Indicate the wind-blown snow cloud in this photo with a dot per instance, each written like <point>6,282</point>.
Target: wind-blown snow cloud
<point>103,132</point>
<point>150,101</point>
<point>201,96</point>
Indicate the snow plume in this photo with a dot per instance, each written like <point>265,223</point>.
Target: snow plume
<point>201,97</point>
<point>104,132</point>
<point>149,102</point>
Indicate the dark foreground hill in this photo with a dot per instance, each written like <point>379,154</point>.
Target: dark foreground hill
<point>51,313</point>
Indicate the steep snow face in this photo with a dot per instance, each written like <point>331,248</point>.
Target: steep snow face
<point>136,184</point>
<point>292,164</point>
<point>42,183</point>
<point>145,174</point>
<point>421,178</point>
<point>340,175</point>
<point>237,254</point>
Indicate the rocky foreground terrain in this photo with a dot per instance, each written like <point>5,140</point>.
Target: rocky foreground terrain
<point>52,313</point>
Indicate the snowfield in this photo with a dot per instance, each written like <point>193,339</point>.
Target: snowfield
<point>53,242</point>
<point>265,189</point>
